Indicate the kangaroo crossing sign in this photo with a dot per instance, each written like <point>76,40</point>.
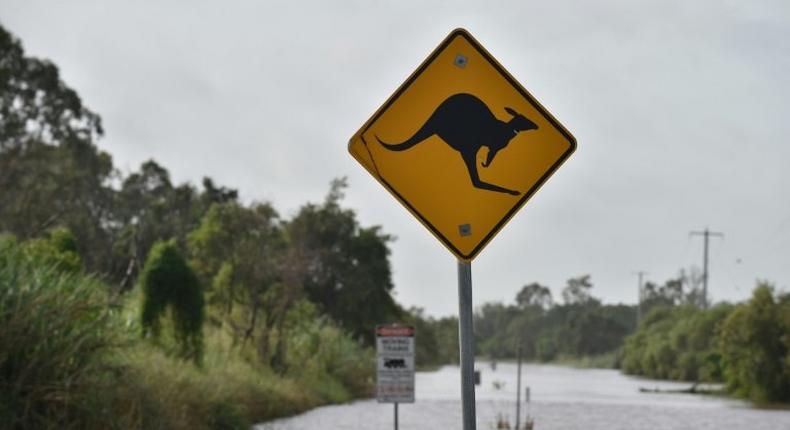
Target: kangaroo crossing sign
<point>462,145</point>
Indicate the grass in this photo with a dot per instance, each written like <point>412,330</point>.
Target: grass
<point>226,393</point>
<point>54,332</point>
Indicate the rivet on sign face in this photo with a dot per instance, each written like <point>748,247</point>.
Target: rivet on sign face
<point>465,229</point>
<point>460,60</point>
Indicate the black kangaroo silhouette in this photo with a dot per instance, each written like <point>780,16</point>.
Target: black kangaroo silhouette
<point>465,123</point>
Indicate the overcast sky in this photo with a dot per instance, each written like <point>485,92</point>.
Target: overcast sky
<point>679,108</point>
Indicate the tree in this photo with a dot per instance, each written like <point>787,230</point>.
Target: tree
<point>242,254</point>
<point>577,291</point>
<point>217,194</point>
<point>51,173</point>
<point>149,207</point>
<point>677,342</point>
<point>344,267</point>
<point>168,283</point>
<point>755,346</point>
<point>57,249</point>
<point>491,334</point>
<point>534,295</point>
<point>590,331</point>
<point>35,105</point>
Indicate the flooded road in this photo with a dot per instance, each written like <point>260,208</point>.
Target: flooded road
<point>562,398</point>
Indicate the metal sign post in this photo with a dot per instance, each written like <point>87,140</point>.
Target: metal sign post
<point>466,342</point>
<point>518,389</point>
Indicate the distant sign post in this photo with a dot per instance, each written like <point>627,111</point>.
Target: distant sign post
<point>395,365</point>
<point>463,146</point>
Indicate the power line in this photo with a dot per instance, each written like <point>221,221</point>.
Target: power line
<point>706,234</point>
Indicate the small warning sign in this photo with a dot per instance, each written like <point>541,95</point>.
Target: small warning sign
<point>395,364</point>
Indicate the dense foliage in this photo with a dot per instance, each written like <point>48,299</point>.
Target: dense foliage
<point>754,342</point>
<point>345,267</point>
<point>746,346</point>
<point>676,343</point>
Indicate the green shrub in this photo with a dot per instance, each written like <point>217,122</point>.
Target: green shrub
<point>755,347</point>
<point>676,343</point>
<point>322,355</point>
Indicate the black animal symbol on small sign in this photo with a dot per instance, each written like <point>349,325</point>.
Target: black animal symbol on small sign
<point>465,123</point>
<point>395,363</point>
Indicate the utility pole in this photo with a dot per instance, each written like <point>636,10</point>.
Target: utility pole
<point>706,234</point>
<point>640,289</point>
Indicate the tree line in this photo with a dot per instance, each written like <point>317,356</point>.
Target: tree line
<point>746,345</point>
<point>580,326</point>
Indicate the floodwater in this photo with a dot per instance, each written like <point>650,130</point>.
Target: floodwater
<point>561,398</point>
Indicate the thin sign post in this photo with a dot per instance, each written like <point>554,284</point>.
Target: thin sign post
<point>466,342</point>
<point>395,365</point>
<point>518,389</point>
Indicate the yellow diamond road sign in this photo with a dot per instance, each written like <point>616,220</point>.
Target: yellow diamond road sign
<point>462,145</point>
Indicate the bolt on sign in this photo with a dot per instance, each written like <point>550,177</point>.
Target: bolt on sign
<point>462,145</point>
<point>395,364</point>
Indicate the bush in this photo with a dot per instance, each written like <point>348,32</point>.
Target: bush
<point>321,355</point>
<point>57,249</point>
<point>755,347</point>
<point>676,343</point>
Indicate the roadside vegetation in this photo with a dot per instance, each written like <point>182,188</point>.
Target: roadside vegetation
<point>128,301</point>
<point>74,355</point>
<point>746,346</point>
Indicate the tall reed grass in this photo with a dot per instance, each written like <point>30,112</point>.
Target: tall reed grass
<point>55,328</point>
